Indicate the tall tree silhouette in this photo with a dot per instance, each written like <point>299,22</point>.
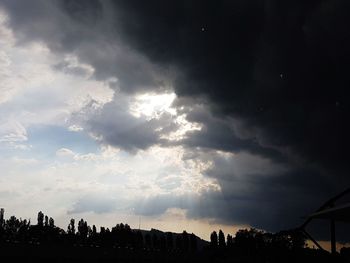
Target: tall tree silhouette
<point>71,227</point>
<point>249,240</point>
<point>51,222</point>
<point>222,243</point>
<point>2,212</point>
<point>82,229</point>
<point>46,221</point>
<point>229,241</point>
<point>40,219</point>
<point>214,239</point>
<point>2,232</point>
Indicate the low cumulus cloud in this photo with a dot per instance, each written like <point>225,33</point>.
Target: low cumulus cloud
<point>95,203</point>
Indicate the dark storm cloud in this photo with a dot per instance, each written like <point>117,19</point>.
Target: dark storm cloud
<point>279,67</point>
<point>274,73</point>
<point>224,134</point>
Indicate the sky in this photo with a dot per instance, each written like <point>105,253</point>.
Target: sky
<point>177,115</point>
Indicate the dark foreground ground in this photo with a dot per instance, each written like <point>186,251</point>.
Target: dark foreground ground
<point>12,252</point>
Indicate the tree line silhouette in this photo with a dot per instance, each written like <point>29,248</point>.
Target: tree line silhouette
<point>247,245</point>
<point>252,245</point>
<point>120,236</point>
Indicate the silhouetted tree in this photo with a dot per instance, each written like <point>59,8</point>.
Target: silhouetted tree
<point>12,226</point>
<point>249,240</point>
<point>108,240</point>
<point>222,242</point>
<point>291,240</point>
<point>89,231</point>
<point>229,241</point>
<point>46,221</point>
<point>82,229</point>
<point>2,212</point>
<point>248,245</point>
<point>51,222</point>
<point>2,232</point>
<point>214,239</point>
<point>40,218</point>
<point>297,239</point>
<point>71,227</point>
<point>23,230</point>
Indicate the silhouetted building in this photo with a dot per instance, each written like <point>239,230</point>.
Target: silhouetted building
<point>333,211</point>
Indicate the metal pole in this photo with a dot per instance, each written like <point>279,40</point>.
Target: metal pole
<point>333,241</point>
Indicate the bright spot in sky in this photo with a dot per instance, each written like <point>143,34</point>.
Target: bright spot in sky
<point>152,105</point>
<point>184,126</point>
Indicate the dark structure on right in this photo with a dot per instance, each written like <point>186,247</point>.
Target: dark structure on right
<point>332,212</point>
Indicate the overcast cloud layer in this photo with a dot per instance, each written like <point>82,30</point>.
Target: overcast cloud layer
<point>260,114</point>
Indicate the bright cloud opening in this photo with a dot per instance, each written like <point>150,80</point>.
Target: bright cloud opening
<point>152,105</point>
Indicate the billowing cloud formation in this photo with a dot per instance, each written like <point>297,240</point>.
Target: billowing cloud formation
<point>281,74</point>
<point>265,80</point>
<point>86,29</point>
<point>120,128</point>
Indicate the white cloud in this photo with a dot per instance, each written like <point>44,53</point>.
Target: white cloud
<point>64,152</point>
<point>33,91</point>
<point>75,128</point>
<point>12,131</point>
